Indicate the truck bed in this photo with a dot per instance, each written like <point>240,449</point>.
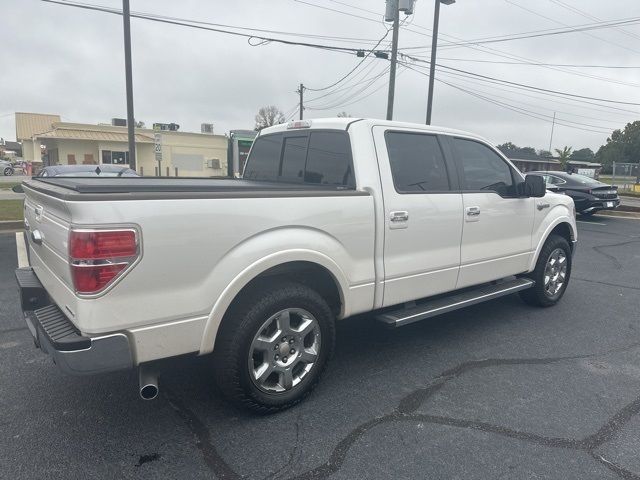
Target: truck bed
<point>92,189</point>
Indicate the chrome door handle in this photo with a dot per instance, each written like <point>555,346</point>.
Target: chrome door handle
<point>473,211</point>
<point>37,237</point>
<point>400,216</point>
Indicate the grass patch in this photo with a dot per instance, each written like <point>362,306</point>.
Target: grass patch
<point>11,210</point>
<point>8,185</point>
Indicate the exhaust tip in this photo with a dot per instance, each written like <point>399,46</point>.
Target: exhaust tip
<point>149,392</point>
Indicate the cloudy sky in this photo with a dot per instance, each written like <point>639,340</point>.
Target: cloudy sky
<point>69,61</point>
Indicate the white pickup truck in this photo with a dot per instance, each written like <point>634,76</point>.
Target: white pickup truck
<point>334,217</point>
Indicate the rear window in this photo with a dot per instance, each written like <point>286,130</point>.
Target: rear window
<point>315,157</point>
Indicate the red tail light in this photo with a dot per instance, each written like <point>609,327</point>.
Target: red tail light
<point>99,257</point>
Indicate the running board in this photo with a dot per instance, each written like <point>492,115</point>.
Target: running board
<point>405,316</point>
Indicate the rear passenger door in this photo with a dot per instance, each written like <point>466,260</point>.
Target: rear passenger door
<point>496,238</point>
<point>423,215</point>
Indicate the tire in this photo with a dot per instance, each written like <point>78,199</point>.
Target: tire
<point>8,171</point>
<point>588,214</point>
<point>543,294</point>
<point>253,341</point>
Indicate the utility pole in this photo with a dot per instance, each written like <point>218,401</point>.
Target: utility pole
<point>553,124</point>
<point>434,47</point>
<point>300,91</point>
<point>394,58</point>
<point>126,19</point>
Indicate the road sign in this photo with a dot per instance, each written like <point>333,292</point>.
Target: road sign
<point>158,146</point>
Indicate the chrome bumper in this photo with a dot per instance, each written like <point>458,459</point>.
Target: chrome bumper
<point>56,335</point>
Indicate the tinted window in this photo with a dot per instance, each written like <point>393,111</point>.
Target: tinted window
<point>329,159</point>
<point>483,169</point>
<point>417,163</point>
<point>265,158</point>
<point>293,159</point>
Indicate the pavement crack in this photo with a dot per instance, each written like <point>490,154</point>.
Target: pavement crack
<point>212,458</point>
<point>410,403</point>
<point>604,283</point>
<point>621,472</point>
<point>612,258</point>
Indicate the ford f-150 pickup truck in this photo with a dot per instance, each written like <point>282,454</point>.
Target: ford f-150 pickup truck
<point>332,218</point>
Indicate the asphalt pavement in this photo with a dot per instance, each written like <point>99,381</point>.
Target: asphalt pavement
<point>499,390</point>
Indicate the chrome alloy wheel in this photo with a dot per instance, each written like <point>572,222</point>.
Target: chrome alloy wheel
<point>555,272</point>
<point>284,350</point>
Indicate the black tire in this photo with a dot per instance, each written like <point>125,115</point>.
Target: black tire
<point>537,295</point>
<point>243,322</point>
<point>8,171</point>
<point>588,214</point>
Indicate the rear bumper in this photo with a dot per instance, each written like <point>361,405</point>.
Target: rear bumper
<point>594,205</point>
<point>56,335</point>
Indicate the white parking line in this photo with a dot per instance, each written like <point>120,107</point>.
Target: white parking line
<point>590,223</point>
<point>23,259</point>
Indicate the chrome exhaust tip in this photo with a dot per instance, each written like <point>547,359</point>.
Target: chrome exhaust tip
<point>148,381</point>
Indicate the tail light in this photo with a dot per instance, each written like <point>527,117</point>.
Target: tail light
<point>99,257</point>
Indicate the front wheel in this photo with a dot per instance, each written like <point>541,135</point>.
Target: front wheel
<point>551,274</point>
<point>588,214</point>
<point>273,346</point>
<point>8,171</point>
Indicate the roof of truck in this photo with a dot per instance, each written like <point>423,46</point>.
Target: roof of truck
<point>343,123</point>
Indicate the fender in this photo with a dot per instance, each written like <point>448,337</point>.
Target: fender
<point>548,226</point>
<point>249,273</point>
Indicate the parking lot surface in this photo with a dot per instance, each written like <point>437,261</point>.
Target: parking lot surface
<point>499,390</point>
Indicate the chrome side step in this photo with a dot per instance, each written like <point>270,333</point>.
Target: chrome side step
<point>405,316</point>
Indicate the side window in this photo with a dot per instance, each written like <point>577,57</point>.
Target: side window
<point>329,159</point>
<point>264,159</point>
<point>483,169</point>
<point>417,163</point>
<point>553,180</point>
<point>293,159</point>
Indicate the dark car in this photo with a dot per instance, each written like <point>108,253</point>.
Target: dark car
<point>87,171</point>
<point>588,194</point>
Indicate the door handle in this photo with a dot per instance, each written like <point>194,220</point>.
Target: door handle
<point>399,216</point>
<point>542,206</point>
<point>473,211</point>
<point>37,237</point>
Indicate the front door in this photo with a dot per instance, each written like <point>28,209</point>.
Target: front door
<point>496,238</point>
<point>423,215</point>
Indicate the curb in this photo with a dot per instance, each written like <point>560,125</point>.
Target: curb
<point>11,225</point>
<point>628,208</point>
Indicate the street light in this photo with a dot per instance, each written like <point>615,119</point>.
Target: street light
<point>434,46</point>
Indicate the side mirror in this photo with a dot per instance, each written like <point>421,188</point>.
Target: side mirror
<point>534,186</point>
<point>17,189</point>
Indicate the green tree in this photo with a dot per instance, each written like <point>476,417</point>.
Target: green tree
<point>621,146</point>
<point>564,155</point>
<point>585,154</point>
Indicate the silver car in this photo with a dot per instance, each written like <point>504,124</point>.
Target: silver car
<point>6,168</point>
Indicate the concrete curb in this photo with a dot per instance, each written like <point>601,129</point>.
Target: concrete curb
<point>11,225</point>
<point>628,208</point>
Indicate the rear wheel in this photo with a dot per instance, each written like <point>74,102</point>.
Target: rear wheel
<point>273,346</point>
<point>552,273</point>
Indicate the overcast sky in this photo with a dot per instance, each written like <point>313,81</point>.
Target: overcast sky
<point>69,61</point>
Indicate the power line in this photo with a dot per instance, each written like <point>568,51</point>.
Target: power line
<point>188,23</point>
<point>561,23</point>
<point>540,64</point>
<point>479,48</point>
<point>592,17</point>
<point>531,87</point>
<point>354,68</point>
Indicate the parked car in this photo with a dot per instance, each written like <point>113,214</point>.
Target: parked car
<point>588,194</point>
<point>334,217</point>
<point>86,171</point>
<point>6,168</point>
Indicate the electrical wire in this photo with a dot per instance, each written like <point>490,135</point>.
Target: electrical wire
<point>354,68</point>
<point>538,64</point>
<point>591,17</point>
